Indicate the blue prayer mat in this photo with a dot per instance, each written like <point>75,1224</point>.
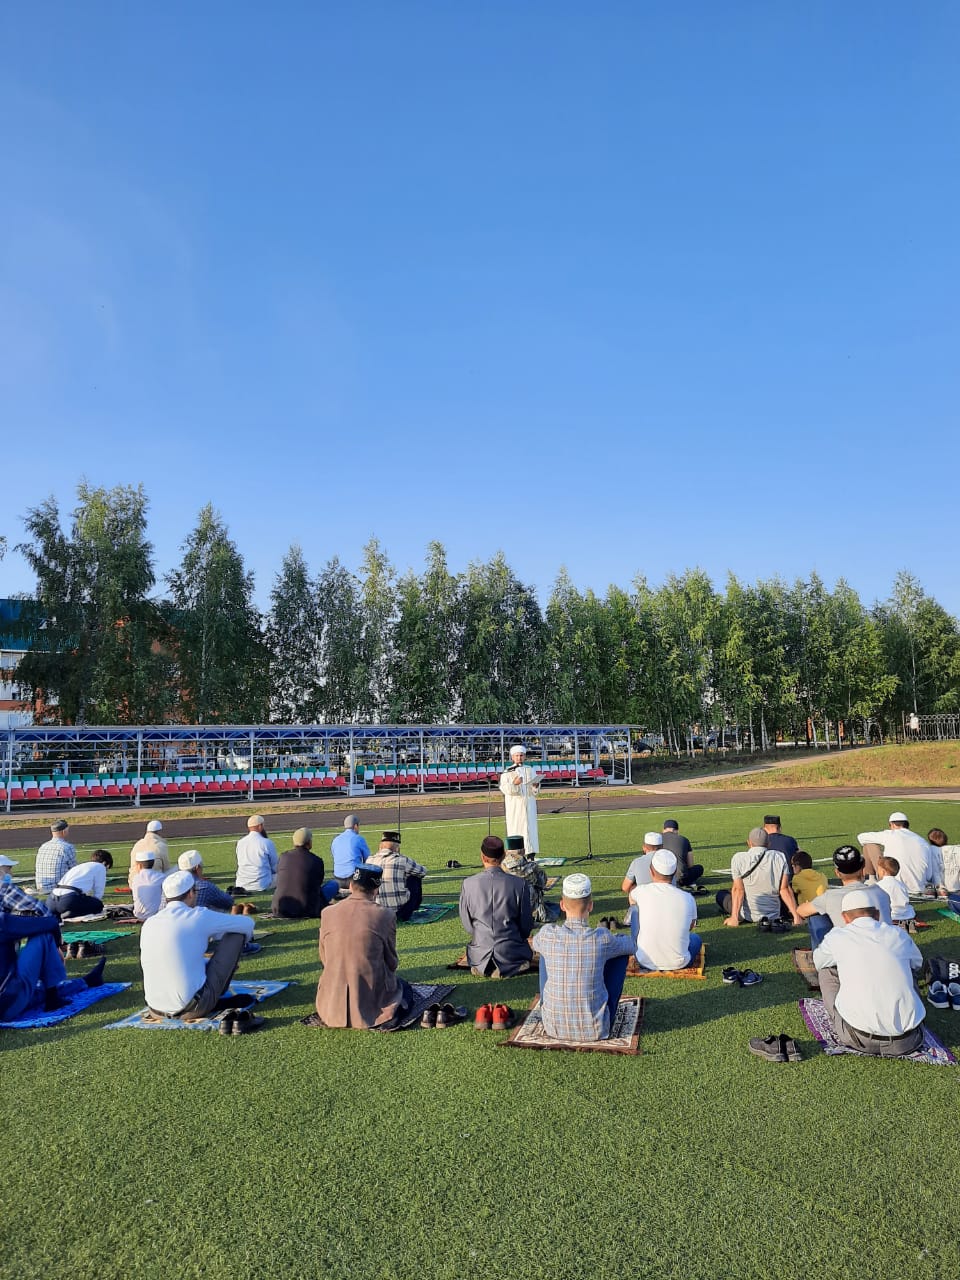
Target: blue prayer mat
<point>82,1000</point>
<point>259,991</point>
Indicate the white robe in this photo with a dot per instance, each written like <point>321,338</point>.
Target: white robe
<point>520,803</point>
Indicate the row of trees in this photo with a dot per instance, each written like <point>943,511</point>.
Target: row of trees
<point>770,658</point>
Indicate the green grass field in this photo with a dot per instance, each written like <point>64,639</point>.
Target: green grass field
<point>435,1154</point>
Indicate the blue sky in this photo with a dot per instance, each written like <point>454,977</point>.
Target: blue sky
<point>625,287</point>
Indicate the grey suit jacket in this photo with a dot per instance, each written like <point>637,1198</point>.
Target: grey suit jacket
<point>495,910</point>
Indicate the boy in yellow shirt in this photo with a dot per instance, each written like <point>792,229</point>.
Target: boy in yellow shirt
<point>807,883</point>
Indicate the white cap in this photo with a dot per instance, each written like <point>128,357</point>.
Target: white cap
<point>7,862</point>
<point>898,817</point>
<point>178,884</point>
<point>577,885</point>
<point>518,746</point>
<point>187,861</point>
<point>664,862</point>
<point>857,899</point>
<point>145,855</point>
<point>155,825</point>
<point>254,820</point>
<point>654,838</point>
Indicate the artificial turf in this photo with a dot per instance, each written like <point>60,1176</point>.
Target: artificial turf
<point>435,1154</point>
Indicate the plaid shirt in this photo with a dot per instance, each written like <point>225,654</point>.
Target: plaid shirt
<point>574,1003</point>
<point>393,892</point>
<point>54,860</point>
<point>517,864</point>
<point>16,902</point>
<point>209,895</point>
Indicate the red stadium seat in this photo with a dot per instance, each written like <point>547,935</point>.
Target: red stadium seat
<point>112,790</point>
<point>96,791</point>
<point>16,793</point>
<point>128,789</point>
<point>80,793</point>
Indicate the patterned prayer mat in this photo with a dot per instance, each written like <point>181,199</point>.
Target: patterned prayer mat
<point>427,993</point>
<point>259,990</point>
<point>549,862</point>
<point>934,1052</point>
<point>95,935</point>
<point>624,1035</point>
<point>691,971</point>
<point>77,1005</point>
<point>802,958</point>
<point>551,882</point>
<point>463,964</point>
<point>430,912</point>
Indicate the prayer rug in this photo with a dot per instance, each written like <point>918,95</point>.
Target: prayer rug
<point>257,937</point>
<point>624,1035</point>
<point>802,958</point>
<point>121,915</point>
<point>934,1052</point>
<point>430,912</point>
<point>551,882</point>
<point>427,993</point>
<point>95,935</point>
<point>259,991</point>
<point>121,888</point>
<point>691,971</point>
<point>549,862</point>
<point>83,1000</point>
<point>463,964</point>
<point>948,914</point>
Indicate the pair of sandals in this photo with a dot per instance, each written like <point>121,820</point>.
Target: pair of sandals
<point>608,922</point>
<point>442,1015</point>
<point>241,1022</point>
<point>780,1048</point>
<point>81,950</point>
<point>740,977</point>
<point>774,924</point>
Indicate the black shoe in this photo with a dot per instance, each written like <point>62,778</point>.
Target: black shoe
<point>95,977</point>
<point>226,1022</point>
<point>730,976</point>
<point>769,1048</point>
<point>788,1047</point>
<point>245,1022</point>
<point>429,1016</point>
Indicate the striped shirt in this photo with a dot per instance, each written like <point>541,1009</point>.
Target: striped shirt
<point>574,1005</point>
<point>393,892</point>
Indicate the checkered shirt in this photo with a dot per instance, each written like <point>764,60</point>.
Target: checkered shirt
<point>18,903</point>
<point>393,892</point>
<point>574,997</point>
<point>209,895</point>
<point>54,860</point>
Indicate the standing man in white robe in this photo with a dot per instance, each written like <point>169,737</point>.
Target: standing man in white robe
<point>520,785</point>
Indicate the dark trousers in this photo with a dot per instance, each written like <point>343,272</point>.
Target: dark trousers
<point>415,889</point>
<point>72,902</point>
<point>690,876</point>
<point>221,967</point>
<point>614,976</point>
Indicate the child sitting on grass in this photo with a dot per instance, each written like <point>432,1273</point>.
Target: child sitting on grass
<point>947,859</point>
<point>901,912</point>
<point>807,883</point>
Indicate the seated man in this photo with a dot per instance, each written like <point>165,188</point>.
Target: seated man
<point>54,858</point>
<point>208,894</point>
<point>664,918</point>
<point>688,871</point>
<point>349,849</point>
<point>866,980</point>
<point>946,859</point>
<point>152,842</point>
<point>825,912</point>
<point>495,910</point>
<point>919,864</point>
<point>760,882</point>
<point>178,981</point>
<point>401,889</point>
<point>32,974</point>
<point>638,871</point>
<point>257,858</point>
<point>582,970</point>
<point>516,863</point>
<point>147,886</point>
<point>359,985</point>
<point>81,889</point>
<point>300,891</point>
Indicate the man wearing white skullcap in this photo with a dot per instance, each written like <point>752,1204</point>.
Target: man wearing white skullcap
<point>638,871</point>
<point>520,786</point>
<point>582,970</point>
<point>154,843</point>
<point>866,980</point>
<point>665,916</point>
<point>918,862</point>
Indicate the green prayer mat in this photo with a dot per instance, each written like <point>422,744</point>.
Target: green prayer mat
<point>95,935</point>
<point>950,915</point>
<point>430,912</point>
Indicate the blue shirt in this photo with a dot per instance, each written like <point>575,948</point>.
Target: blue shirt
<point>349,849</point>
<point>574,996</point>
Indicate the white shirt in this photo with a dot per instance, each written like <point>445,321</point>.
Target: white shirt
<point>665,916</point>
<point>257,861</point>
<point>896,891</point>
<point>172,946</point>
<point>87,877</point>
<point>918,864</point>
<point>874,963</point>
<point>947,864</point>
<point>761,887</point>
<point>147,889</point>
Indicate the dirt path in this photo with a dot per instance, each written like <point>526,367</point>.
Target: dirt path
<point>383,814</point>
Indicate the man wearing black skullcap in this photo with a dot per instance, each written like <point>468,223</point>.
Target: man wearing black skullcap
<point>826,911</point>
<point>495,910</point>
<point>359,985</point>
